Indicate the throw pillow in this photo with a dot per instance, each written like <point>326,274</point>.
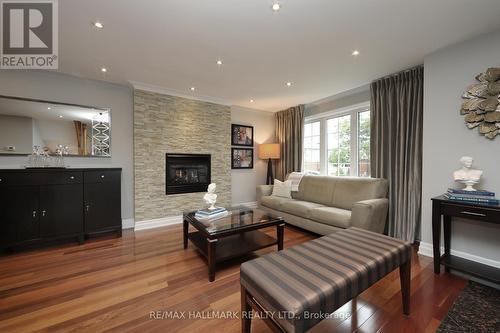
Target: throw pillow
<point>282,189</point>
<point>295,177</point>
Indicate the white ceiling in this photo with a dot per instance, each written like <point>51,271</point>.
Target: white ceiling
<point>174,44</point>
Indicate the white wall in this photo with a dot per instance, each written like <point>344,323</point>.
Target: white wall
<point>447,74</point>
<point>244,181</point>
<point>52,86</point>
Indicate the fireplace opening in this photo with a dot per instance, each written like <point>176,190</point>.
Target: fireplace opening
<point>187,173</point>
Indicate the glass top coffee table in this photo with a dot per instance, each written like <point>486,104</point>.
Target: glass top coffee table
<point>232,236</point>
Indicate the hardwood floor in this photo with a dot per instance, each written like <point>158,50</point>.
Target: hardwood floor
<point>114,284</point>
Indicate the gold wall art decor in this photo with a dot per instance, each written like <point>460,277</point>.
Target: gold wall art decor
<point>481,107</point>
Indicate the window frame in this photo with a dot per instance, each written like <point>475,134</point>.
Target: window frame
<point>304,145</point>
<point>323,118</point>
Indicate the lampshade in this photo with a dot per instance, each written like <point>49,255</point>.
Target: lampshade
<point>269,150</point>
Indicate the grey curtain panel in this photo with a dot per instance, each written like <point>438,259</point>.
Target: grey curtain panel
<point>289,134</point>
<point>396,147</point>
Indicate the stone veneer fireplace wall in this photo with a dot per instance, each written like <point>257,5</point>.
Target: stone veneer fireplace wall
<point>168,124</point>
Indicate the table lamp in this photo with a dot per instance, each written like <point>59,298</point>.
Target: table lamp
<point>269,151</point>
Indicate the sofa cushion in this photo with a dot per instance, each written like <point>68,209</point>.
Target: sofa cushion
<point>299,208</point>
<point>273,202</point>
<point>332,216</point>
<point>318,189</point>
<point>349,190</point>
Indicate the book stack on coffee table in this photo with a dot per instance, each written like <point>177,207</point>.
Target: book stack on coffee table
<point>209,215</point>
<point>473,197</point>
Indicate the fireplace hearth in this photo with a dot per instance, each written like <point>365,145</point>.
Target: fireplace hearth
<point>187,173</point>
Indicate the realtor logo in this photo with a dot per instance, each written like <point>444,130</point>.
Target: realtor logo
<point>29,36</point>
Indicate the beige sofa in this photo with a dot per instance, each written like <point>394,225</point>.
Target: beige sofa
<point>328,204</point>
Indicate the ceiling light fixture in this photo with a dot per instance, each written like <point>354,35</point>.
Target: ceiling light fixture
<point>192,88</point>
<point>289,84</point>
<point>104,69</point>
<point>219,62</point>
<point>276,6</point>
<point>251,101</point>
<point>48,108</point>
<point>60,116</point>
<point>98,25</point>
<point>355,53</point>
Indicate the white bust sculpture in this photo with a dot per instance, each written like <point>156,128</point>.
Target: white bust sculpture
<point>210,197</point>
<point>466,175</point>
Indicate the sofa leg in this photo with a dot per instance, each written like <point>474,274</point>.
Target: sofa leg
<point>405,278</point>
<point>246,311</point>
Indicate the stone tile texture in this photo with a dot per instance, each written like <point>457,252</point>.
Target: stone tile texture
<point>168,124</point>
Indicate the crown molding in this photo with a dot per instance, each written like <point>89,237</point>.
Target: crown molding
<point>177,93</point>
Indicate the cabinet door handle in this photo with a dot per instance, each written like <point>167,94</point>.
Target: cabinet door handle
<point>87,207</point>
<point>43,213</point>
<point>472,213</point>
<point>34,214</point>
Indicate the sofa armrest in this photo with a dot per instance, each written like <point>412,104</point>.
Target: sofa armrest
<point>370,214</point>
<point>263,191</point>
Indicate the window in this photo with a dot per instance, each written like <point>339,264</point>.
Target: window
<point>364,144</point>
<point>339,146</point>
<point>338,143</point>
<point>312,136</point>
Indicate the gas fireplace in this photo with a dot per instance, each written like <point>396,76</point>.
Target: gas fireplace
<point>187,173</point>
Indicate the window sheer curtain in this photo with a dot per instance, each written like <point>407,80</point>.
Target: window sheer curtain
<point>396,147</point>
<point>289,134</point>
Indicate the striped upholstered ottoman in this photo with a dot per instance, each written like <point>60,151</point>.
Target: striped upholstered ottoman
<point>295,288</point>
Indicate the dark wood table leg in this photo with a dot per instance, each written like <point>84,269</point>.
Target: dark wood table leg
<point>246,312</point>
<point>405,278</point>
<point>447,237</point>
<point>436,236</point>
<point>280,230</point>
<point>212,244</point>
<point>185,232</point>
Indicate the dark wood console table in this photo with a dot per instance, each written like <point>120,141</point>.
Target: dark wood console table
<point>477,212</point>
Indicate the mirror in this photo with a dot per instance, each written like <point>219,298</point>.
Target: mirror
<point>74,130</point>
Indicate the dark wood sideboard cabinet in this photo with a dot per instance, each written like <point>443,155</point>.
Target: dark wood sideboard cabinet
<point>42,206</point>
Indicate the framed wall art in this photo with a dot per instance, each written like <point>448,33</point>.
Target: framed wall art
<point>241,135</point>
<point>242,158</point>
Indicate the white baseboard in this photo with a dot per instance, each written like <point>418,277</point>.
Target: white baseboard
<point>251,204</point>
<point>156,223</point>
<point>425,249</point>
<point>128,223</point>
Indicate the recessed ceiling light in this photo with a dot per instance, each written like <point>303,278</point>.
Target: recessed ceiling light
<point>192,88</point>
<point>355,52</point>
<point>104,69</point>
<point>251,101</point>
<point>219,62</point>
<point>289,84</point>
<point>60,116</point>
<point>48,108</point>
<point>276,6</point>
<point>98,25</point>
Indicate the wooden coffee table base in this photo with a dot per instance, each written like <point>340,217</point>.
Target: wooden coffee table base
<point>224,248</point>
